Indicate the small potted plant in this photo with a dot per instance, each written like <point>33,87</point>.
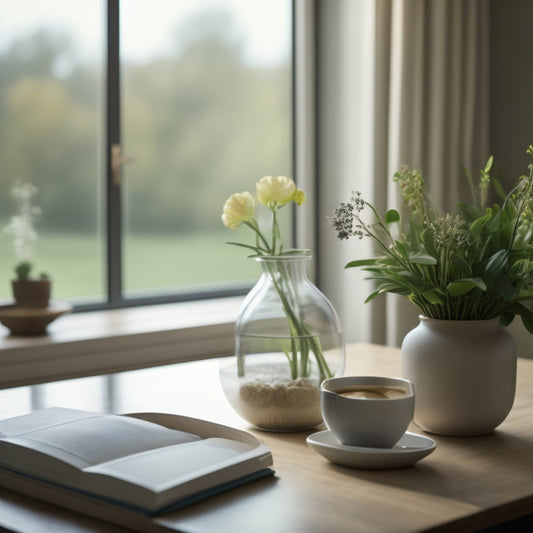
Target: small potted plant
<point>28,292</point>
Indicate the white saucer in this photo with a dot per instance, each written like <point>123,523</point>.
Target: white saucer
<point>409,449</point>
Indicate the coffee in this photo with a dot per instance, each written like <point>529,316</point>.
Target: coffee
<point>373,392</point>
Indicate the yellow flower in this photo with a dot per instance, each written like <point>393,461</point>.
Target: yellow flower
<point>239,208</point>
<point>278,190</point>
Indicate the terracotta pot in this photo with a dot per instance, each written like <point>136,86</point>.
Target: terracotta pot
<point>32,293</point>
<point>464,373</point>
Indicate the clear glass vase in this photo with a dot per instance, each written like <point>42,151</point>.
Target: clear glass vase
<point>288,339</point>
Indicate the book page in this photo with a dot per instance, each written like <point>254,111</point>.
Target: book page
<point>40,419</point>
<point>166,467</point>
<point>98,438</point>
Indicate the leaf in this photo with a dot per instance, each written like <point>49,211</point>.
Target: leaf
<point>488,165</point>
<point>486,245</point>
<point>392,216</point>
<point>461,262</point>
<point>477,226</point>
<point>434,296</point>
<point>462,286</point>
<point>505,288</point>
<point>525,313</point>
<point>409,277</point>
<point>497,263</point>
<point>500,222</point>
<point>429,242</point>
<point>254,248</point>
<point>498,188</point>
<point>414,234</point>
<point>422,259</point>
<point>394,288</point>
<point>361,263</point>
<point>387,280</point>
<point>374,269</point>
<point>372,296</point>
<point>402,248</point>
<point>506,318</point>
<point>468,212</point>
<point>508,214</point>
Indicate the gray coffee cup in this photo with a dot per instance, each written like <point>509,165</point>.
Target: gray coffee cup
<point>367,411</point>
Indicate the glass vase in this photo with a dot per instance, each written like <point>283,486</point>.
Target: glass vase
<point>288,339</point>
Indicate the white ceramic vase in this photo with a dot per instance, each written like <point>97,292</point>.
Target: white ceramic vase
<point>464,374</point>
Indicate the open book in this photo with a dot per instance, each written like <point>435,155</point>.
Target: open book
<point>149,462</point>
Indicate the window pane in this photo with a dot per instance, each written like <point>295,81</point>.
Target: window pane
<point>206,112</point>
<point>51,119</point>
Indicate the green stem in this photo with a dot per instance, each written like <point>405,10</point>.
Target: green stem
<point>274,232</point>
<point>260,250</point>
<point>307,341</point>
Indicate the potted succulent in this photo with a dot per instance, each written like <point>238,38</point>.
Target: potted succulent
<point>28,292</point>
<point>469,273</point>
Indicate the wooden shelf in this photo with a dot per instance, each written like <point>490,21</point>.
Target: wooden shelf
<point>100,342</point>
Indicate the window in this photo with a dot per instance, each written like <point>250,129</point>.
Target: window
<point>135,121</point>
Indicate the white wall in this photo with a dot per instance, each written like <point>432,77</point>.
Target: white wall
<point>344,137</point>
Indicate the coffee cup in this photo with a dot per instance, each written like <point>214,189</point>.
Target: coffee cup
<point>367,411</point>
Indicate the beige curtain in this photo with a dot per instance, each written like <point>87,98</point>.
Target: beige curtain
<point>429,81</point>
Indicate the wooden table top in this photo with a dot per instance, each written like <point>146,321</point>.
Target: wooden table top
<point>466,484</point>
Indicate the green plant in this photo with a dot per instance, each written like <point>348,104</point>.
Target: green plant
<point>22,270</point>
<point>473,264</point>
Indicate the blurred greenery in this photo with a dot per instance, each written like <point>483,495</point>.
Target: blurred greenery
<point>168,262</point>
<point>200,123</point>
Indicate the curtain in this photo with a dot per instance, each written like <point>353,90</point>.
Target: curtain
<point>423,67</point>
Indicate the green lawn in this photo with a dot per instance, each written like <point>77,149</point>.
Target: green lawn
<point>76,263</point>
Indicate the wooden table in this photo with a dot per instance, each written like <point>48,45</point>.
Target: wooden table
<point>467,484</point>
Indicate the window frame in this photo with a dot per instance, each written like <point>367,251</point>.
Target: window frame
<point>114,297</point>
<point>112,340</point>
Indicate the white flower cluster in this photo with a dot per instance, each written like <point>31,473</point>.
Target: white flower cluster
<point>21,226</point>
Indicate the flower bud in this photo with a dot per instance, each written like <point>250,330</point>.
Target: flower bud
<point>299,196</point>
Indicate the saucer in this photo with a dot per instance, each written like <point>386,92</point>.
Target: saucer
<point>407,451</point>
<point>31,321</point>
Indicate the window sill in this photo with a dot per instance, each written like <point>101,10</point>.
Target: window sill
<point>85,344</point>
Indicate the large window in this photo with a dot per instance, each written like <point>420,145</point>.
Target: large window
<point>135,120</point>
